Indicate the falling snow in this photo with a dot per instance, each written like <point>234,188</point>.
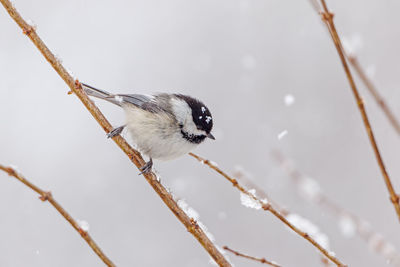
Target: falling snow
<point>347,226</point>
<point>282,134</point>
<point>289,100</point>
<point>309,188</point>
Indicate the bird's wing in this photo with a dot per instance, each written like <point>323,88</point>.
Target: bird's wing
<point>145,102</point>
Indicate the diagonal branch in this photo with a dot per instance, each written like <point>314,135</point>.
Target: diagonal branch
<point>133,155</point>
<point>311,191</point>
<point>327,17</point>
<point>47,196</point>
<point>374,92</point>
<point>371,88</point>
<point>268,207</point>
<point>260,260</point>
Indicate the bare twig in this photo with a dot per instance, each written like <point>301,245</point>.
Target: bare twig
<point>311,191</point>
<point>374,92</point>
<point>133,155</point>
<point>47,196</point>
<point>327,17</point>
<point>268,207</point>
<point>261,260</point>
<point>240,174</point>
<point>371,88</point>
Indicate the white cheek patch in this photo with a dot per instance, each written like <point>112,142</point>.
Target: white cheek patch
<point>181,110</point>
<point>183,114</point>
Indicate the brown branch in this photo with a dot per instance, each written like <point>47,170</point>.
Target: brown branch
<point>261,260</point>
<point>268,207</point>
<point>327,17</point>
<point>374,92</point>
<point>383,247</point>
<point>47,196</point>
<point>133,155</point>
<point>371,88</point>
<point>260,192</point>
<point>239,174</point>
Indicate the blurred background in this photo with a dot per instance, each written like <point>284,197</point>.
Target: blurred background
<point>242,58</point>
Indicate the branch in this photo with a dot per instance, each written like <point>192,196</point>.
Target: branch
<point>268,207</point>
<point>133,155</point>
<point>261,260</point>
<point>47,196</point>
<point>351,57</point>
<point>327,17</point>
<point>241,175</point>
<point>310,190</point>
<point>374,92</point>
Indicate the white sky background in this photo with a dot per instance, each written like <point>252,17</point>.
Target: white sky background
<point>241,58</point>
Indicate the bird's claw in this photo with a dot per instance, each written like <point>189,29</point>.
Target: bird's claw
<point>146,167</point>
<point>115,131</point>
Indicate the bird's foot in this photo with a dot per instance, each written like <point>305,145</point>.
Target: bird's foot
<point>115,131</point>
<point>147,167</point>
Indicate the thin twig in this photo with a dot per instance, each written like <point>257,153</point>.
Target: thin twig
<point>371,88</point>
<point>260,192</point>
<point>241,175</point>
<point>327,17</point>
<point>268,207</point>
<point>47,196</point>
<point>312,192</point>
<point>374,92</point>
<point>133,155</point>
<point>261,260</point>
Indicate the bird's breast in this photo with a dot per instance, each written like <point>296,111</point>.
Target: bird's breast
<point>156,135</point>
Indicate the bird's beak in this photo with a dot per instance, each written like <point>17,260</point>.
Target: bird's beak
<point>211,136</point>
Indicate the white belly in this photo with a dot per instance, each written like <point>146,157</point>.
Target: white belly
<point>156,135</point>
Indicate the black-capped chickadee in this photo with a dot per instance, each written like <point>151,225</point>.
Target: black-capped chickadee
<point>163,126</point>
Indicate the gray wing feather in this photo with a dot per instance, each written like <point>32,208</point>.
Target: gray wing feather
<point>144,102</point>
<point>91,91</point>
<point>136,99</point>
<point>141,101</point>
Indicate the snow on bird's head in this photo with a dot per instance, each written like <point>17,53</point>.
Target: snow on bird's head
<point>201,115</point>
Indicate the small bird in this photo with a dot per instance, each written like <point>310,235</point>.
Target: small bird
<point>163,126</point>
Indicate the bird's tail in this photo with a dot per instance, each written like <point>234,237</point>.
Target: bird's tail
<point>91,91</point>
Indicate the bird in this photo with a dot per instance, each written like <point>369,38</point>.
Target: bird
<point>163,126</point>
